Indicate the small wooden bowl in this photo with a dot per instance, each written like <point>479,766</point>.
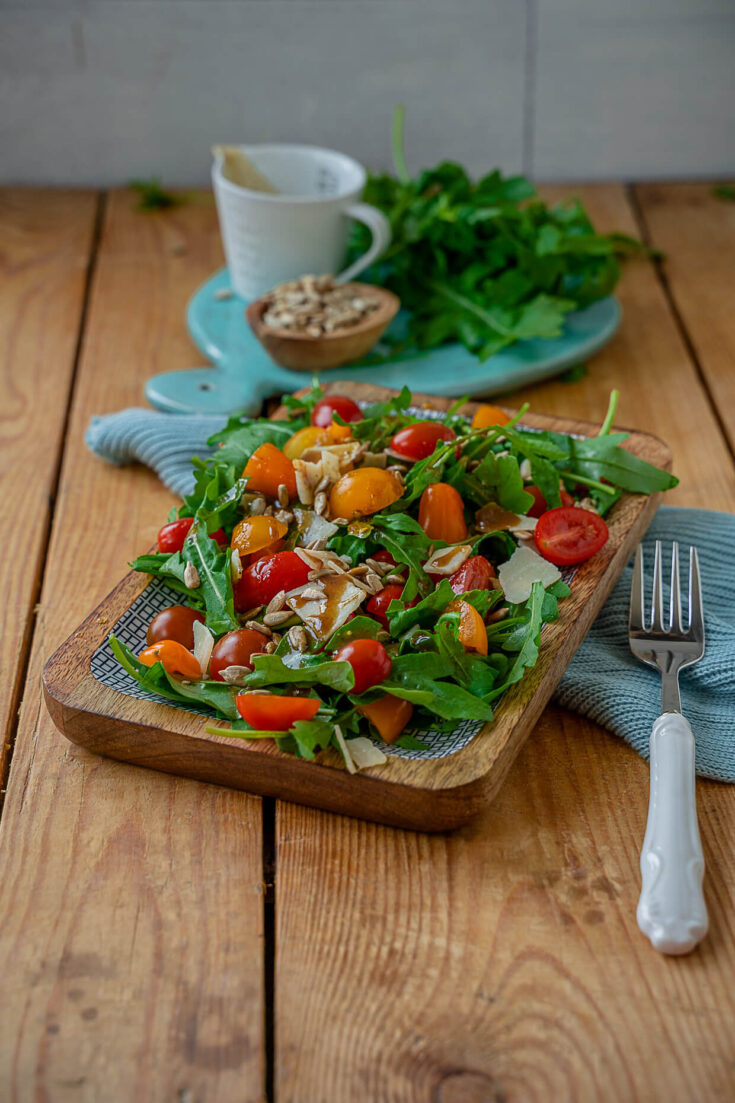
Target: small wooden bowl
<point>300,352</point>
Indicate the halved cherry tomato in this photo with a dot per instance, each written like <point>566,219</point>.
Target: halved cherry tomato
<point>369,660</point>
<point>474,574</point>
<point>419,440</point>
<point>174,623</point>
<point>262,580</point>
<point>235,649</point>
<point>441,513</point>
<point>172,536</point>
<point>569,535</point>
<point>269,712</point>
<point>267,469</point>
<point>486,415</point>
<point>335,404</point>
<point>389,715</point>
<point>364,491</point>
<point>539,502</point>
<point>378,605</point>
<point>472,631</point>
<point>176,658</point>
<point>252,534</point>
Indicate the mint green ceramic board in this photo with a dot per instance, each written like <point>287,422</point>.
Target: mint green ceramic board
<point>243,375</point>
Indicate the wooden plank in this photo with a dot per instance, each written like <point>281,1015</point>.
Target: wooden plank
<point>45,247</point>
<point>504,961</point>
<point>430,795</point>
<point>131,941</point>
<point>696,231</point>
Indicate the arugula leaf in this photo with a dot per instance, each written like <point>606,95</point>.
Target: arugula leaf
<point>501,479</point>
<point>446,699</point>
<point>424,612</point>
<point>359,628</point>
<point>238,444</point>
<point>271,670</point>
<point>215,578</point>
<point>156,679</point>
<point>525,639</point>
<point>603,458</point>
<point>311,736</point>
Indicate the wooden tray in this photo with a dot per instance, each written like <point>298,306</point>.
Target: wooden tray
<point>428,795</point>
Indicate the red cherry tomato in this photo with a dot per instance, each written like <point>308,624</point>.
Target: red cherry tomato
<point>235,649</point>
<point>172,536</point>
<point>268,712</point>
<point>262,580</point>
<point>474,574</point>
<point>369,660</point>
<point>174,623</point>
<point>419,440</point>
<point>384,556</point>
<point>539,503</point>
<point>378,605</point>
<point>335,404</point>
<point>569,535</point>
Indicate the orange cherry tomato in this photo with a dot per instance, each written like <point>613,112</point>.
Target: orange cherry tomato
<point>309,437</point>
<point>268,468</point>
<point>255,533</point>
<point>485,416</point>
<point>175,657</point>
<point>441,514</point>
<point>472,631</point>
<point>272,713</point>
<point>364,491</point>
<point>389,715</point>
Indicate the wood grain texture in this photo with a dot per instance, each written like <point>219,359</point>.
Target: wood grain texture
<point>131,902</point>
<point>696,231</point>
<point>430,795</point>
<point>45,247</point>
<point>503,963</point>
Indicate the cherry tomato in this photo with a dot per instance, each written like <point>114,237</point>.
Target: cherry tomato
<point>267,469</point>
<point>441,514</point>
<point>378,605</point>
<point>389,715</point>
<point>369,660</point>
<point>174,623</point>
<point>262,580</point>
<point>472,631</point>
<point>419,440</point>
<point>176,658</point>
<point>335,404</point>
<point>474,574</point>
<point>252,534</point>
<point>172,536</point>
<point>485,416</point>
<point>364,491</point>
<point>384,556</point>
<point>539,502</point>
<point>235,649</point>
<point>268,712</point>
<point>305,438</point>
<point>569,535</point>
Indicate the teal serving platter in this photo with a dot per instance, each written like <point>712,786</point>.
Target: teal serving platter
<point>242,374</point>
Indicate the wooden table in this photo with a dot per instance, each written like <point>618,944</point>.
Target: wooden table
<point>166,940</point>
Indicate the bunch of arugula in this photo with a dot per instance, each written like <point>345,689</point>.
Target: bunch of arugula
<point>431,669</point>
<point>485,262</point>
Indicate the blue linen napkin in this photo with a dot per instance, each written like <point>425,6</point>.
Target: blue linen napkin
<point>604,681</point>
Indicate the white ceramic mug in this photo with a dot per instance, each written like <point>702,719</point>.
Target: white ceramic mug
<point>302,229</point>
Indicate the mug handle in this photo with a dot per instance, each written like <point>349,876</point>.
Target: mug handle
<point>379,227</point>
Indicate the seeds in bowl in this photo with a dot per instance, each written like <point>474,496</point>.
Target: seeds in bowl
<point>315,305</point>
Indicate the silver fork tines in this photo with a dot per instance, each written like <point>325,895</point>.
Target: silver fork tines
<point>667,646</point>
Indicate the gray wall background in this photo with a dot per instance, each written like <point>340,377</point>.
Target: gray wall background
<point>99,91</point>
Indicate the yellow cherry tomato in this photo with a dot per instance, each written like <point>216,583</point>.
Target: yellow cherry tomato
<point>254,533</point>
<point>441,513</point>
<point>364,491</point>
<point>309,437</point>
<point>486,416</point>
<point>472,631</point>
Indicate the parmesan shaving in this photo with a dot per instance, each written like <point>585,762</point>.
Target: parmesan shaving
<point>518,575</point>
<point>351,768</point>
<point>365,753</point>
<point>203,645</point>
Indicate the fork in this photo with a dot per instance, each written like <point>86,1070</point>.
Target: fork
<point>671,910</point>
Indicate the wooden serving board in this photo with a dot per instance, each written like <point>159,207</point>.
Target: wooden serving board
<point>427,795</point>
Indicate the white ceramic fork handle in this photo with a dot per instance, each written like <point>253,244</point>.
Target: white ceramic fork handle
<point>671,909</point>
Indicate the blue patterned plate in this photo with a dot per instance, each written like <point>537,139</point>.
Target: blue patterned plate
<point>244,374</point>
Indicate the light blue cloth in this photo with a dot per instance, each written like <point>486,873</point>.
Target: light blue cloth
<point>603,681</point>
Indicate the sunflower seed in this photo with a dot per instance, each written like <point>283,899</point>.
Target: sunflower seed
<point>256,692</point>
<point>298,638</point>
<point>276,603</point>
<point>362,585</point>
<point>362,569</point>
<point>525,470</point>
<point>303,489</point>
<point>395,579</point>
<point>256,626</point>
<point>312,593</point>
<point>191,577</point>
<point>314,575</point>
<point>340,521</point>
<point>346,559</point>
<point>320,503</point>
<point>235,565</point>
<point>499,614</point>
<point>283,497</point>
<point>234,674</point>
<point>313,561</point>
<point>257,507</point>
<point>284,515</point>
<point>270,647</point>
<point>381,568</point>
<point>251,613</point>
<point>272,619</point>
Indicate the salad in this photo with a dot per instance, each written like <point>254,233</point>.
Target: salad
<point>347,575</point>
